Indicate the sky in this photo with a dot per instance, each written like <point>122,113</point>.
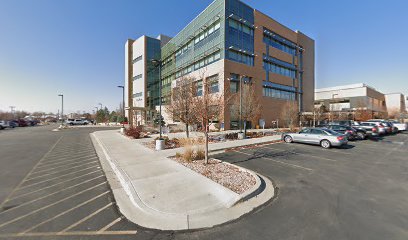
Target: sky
<point>76,47</point>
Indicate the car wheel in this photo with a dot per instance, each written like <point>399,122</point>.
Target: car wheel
<point>288,139</point>
<point>325,144</point>
<point>361,135</point>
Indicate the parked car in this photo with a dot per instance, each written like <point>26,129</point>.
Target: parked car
<point>76,122</point>
<point>13,123</point>
<point>324,137</point>
<point>4,124</point>
<point>351,133</point>
<point>400,126</point>
<point>381,128</point>
<point>370,128</point>
<point>22,123</point>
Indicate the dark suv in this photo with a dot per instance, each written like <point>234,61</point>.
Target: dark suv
<point>350,132</point>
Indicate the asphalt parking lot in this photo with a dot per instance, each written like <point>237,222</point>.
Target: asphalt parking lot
<point>358,192</point>
<point>52,187</point>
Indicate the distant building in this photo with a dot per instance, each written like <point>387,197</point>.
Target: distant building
<point>351,98</point>
<point>233,42</point>
<point>395,103</point>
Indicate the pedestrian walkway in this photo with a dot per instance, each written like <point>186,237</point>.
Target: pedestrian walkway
<point>156,192</point>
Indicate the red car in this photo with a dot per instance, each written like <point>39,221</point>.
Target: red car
<point>22,123</point>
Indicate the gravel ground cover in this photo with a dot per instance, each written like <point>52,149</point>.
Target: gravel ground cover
<point>227,175</point>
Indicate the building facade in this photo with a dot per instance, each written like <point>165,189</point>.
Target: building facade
<point>231,42</point>
<point>350,98</point>
<point>395,103</point>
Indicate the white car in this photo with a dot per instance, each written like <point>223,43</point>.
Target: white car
<point>4,124</point>
<point>400,126</point>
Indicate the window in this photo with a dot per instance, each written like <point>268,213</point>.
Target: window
<point>199,88</point>
<point>207,32</point>
<point>241,57</point>
<point>278,42</point>
<point>279,91</point>
<point>139,94</point>
<point>317,132</point>
<point>137,59</point>
<point>213,81</point>
<point>137,77</point>
<point>275,68</point>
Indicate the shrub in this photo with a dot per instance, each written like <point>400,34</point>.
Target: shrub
<point>179,155</point>
<point>231,136</point>
<point>188,154</point>
<point>133,132</point>
<point>199,154</point>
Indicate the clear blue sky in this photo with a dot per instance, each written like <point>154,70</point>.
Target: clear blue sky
<point>76,47</point>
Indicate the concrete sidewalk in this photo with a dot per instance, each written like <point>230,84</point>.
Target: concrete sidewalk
<point>156,192</point>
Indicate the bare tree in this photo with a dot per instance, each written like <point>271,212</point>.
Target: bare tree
<point>290,114</point>
<point>251,107</point>
<point>180,107</point>
<point>209,106</point>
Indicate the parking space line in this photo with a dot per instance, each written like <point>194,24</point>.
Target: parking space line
<point>277,161</point>
<point>29,173</point>
<point>49,205</point>
<point>70,154</point>
<point>50,186</point>
<point>318,149</point>
<point>76,233</point>
<point>26,186</point>
<point>307,154</point>
<point>110,224</point>
<point>57,163</point>
<point>59,166</point>
<point>36,177</point>
<point>58,160</point>
<point>66,211</point>
<point>48,195</point>
<point>85,218</point>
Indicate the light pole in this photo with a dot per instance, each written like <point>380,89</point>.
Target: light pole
<point>62,108</point>
<point>240,105</point>
<point>123,105</point>
<point>160,141</point>
<point>331,108</point>
<point>96,116</point>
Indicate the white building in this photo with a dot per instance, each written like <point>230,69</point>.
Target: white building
<point>350,98</point>
<point>395,103</point>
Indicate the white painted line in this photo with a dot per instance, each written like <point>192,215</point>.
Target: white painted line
<point>307,154</point>
<point>60,166</point>
<point>50,186</point>
<point>22,181</point>
<point>317,149</point>
<point>110,224</point>
<point>59,160</point>
<point>58,163</point>
<point>49,205</point>
<point>26,186</point>
<point>48,195</point>
<point>76,233</point>
<point>70,154</point>
<point>85,218</point>
<point>66,211</point>
<point>273,160</point>
<point>36,177</point>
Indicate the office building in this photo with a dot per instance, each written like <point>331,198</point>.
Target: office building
<point>230,42</point>
<point>350,98</point>
<point>395,103</point>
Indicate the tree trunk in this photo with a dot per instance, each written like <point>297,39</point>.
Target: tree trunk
<point>206,145</point>
<point>187,131</point>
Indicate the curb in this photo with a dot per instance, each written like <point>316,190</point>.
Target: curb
<point>135,210</point>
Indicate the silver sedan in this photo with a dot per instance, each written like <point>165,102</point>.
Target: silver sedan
<point>324,137</point>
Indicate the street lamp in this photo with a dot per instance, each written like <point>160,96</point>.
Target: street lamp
<point>331,108</point>
<point>123,105</point>
<point>160,141</point>
<point>96,115</point>
<point>240,105</point>
<point>62,108</point>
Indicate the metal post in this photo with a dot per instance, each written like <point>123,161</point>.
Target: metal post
<point>123,105</point>
<point>62,108</point>
<point>240,104</point>
<point>160,96</point>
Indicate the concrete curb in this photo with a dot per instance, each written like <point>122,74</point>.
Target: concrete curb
<point>135,210</point>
